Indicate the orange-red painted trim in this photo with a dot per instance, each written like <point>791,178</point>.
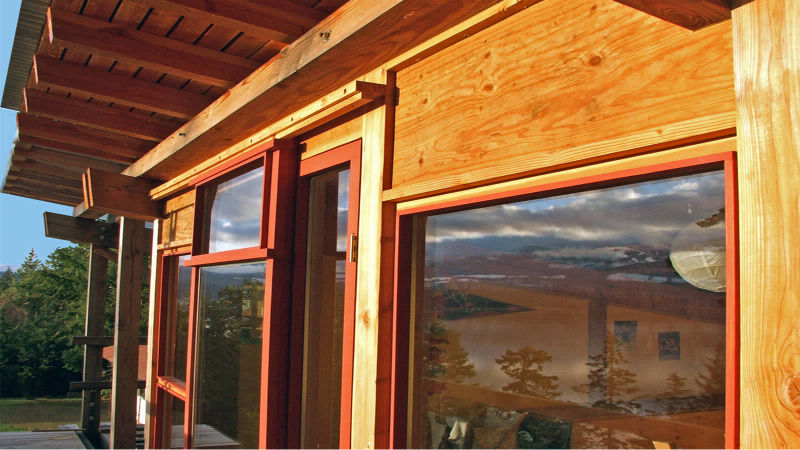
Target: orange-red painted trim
<point>350,154</point>
<point>238,255</point>
<point>581,183</point>
<point>732,300</point>
<point>188,417</point>
<point>332,158</point>
<point>398,395</point>
<point>174,386</point>
<point>240,160</point>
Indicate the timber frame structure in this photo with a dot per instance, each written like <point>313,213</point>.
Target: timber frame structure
<point>408,113</point>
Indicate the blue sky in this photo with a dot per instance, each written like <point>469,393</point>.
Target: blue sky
<point>21,224</point>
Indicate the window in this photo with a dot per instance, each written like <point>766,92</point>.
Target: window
<point>217,303</point>
<point>324,304</point>
<point>583,316</point>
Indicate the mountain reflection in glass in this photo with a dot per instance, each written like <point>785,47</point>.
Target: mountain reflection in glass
<point>560,322</point>
<point>229,332</point>
<point>233,212</point>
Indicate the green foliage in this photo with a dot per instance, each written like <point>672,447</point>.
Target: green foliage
<point>42,306</point>
<point>525,366</point>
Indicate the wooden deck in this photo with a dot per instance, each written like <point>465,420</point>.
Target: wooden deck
<point>42,439</point>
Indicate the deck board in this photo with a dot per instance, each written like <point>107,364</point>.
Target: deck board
<point>41,439</point>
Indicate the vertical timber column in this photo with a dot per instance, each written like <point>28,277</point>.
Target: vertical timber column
<point>766,47</point>
<point>152,336</point>
<point>96,291</point>
<point>369,277</point>
<point>126,333</point>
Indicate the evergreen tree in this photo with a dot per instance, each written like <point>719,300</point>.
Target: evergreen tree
<point>525,366</point>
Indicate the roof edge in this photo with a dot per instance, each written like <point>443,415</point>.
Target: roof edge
<point>26,41</point>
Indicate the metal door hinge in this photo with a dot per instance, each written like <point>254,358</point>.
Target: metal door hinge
<point>353,248</point>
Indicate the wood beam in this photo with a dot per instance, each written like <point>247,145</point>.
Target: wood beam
<point>130,270</point>
<point>78,229</point>
<point>59,182</point>
<point>766,54</point>
<point>151,51</point>
<point>41,195</point>
<point>67,160</point>
<point>363,35</point>
<point>82,210</point>
<point>93,115</point>
<point>42,168</point>
<point>119,195</point>
<point>116,88</point>
<point>96,290</point>
<point>117,147</point>
<point>78,150</point>
<point>693,15</point>
<point>280,21</point>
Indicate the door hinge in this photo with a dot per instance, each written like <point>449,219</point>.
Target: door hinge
<point>353,248</point>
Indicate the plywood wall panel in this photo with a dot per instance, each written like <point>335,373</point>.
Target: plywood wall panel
<point>558,83</point>
<point>767,64</point>
<point>176,227</point>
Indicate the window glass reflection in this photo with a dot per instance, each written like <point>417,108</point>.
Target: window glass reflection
<point>230,318</point>
<point>176,349</point>
<point>587,320</point>
<point>234,212</point>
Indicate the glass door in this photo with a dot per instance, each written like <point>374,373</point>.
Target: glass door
<point>327,297</point>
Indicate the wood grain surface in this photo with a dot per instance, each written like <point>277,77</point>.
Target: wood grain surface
<point>767,64</point>
<point>603,79</point>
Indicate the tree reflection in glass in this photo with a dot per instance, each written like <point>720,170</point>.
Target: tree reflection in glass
<point>561,322</point>
<point>229,331</point>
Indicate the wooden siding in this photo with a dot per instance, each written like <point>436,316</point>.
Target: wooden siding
<point>558,84</point>
<point>178,223</point>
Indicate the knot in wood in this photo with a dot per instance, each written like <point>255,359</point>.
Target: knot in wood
<point>791,391</point>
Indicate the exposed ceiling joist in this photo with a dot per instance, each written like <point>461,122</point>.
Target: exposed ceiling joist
<point>693,15</point>
<point>79,150</point>
<point>354,40</point>
<point>67,184</point>
<point>94,115</point>
<point>78,229</point>
<point>46,195</point>
<point>128,45</point>
<point>113,146</point>
<point>66,160</point>
<point>258,19</point>
<point>111,87</point>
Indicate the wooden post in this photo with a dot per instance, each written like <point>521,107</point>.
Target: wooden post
<point>126,333</point>
<point>766,50</point>
<point>93,354</point>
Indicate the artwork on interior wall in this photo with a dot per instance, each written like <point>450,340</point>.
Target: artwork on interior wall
<point>669,345</point>
<point>625,333</point>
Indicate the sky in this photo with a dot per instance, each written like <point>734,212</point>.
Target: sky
<point>21,223</point>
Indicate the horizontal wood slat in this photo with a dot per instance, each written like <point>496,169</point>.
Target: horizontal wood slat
<point>93,115</point>
<point>128,45</point>
<point>66,160</point>
<point>121,148</point>
<point>46,195</point>
<point>112,87</point>
<point>78,150</point>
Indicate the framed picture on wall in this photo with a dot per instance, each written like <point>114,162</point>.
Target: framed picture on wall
<point>625,334</point>
<point>669,345</point>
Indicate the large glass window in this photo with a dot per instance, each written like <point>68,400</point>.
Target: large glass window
<point>228,367</point>
<point>584,320</point>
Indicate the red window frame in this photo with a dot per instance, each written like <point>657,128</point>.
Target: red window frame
<point>346,155</point>
<point>398,395</point>
<point>279,159</point>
